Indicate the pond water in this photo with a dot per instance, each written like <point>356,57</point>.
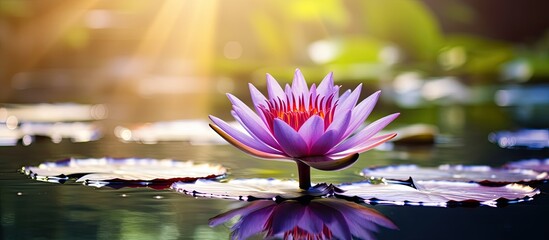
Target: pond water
<point>38,210</point>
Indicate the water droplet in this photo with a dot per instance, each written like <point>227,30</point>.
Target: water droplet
<point>19,193</point>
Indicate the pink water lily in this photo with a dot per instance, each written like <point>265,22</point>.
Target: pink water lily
<point>316,127</point>
<point>318,218</point>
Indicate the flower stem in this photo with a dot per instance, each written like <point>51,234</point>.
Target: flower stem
<point>304,172</point>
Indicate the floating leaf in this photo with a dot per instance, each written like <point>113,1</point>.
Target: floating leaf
<point>54,112</point>
<point>250,189</point>
<point>539,165</point>
<point>482,174</point>
<point>123,172</point>
<point>9,136</point>
<point>75,131</point>
<point>526,138</point>
<point>437,193</point>
<point>197,132</point>
<point>27,132</point>
<point>24,122</point>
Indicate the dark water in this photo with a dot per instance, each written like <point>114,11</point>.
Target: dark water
<point>38,210</point>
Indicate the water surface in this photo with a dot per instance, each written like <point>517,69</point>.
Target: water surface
<point>39,210</point>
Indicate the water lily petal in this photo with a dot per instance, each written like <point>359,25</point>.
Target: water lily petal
<point>252,122</point>
<point>326,87</point>
<point>328,164</point>
<point>312,129</point>
<point>257,98</point>
<point>339,226</point>
<point>252,224</point>
<point>361,112</point>
<point>312,93</point>
<point>225,130</point>
<point>289,93</point>
<point>332,219</point>
<point>335,93</point>
<point>331,137</point>
<point>299,86</point>
<point>257,130</point>
<point>242,211</point>
<point>353,210</point>
<point>362,221</point>
<point>345,95</point>
<point>246,148</point>
<point>309,100</point>
<point>339,126</point>
<point>283,218</point>
<point>274,89</point>
<point>364,134</point>
<point>348,103</point>
<point>290,141</point>
<point>366,145</point>
<point>327,141</point>
<point>309,221</point>
<point>237,103</point>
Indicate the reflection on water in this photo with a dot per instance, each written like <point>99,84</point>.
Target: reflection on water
<point>317,218</point>
<point>35,210</point>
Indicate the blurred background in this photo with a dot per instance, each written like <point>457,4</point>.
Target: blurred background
<point>175,59</point>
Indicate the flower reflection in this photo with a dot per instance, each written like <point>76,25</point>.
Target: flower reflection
<point>316,127</point>
<point>317,218</point>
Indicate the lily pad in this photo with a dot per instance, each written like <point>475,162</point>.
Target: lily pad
<point>124,172</point>
<point>75,131</point>
<point>197,132</point>
<point>24,122</point>
<point>53,112</point>
<point>463,173</point>
<point>438,193</point>
<point>250,189</point>
<point>539,165</point>
<point>525,138</point>
<point>8,136</point>
<point>27,132</point>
